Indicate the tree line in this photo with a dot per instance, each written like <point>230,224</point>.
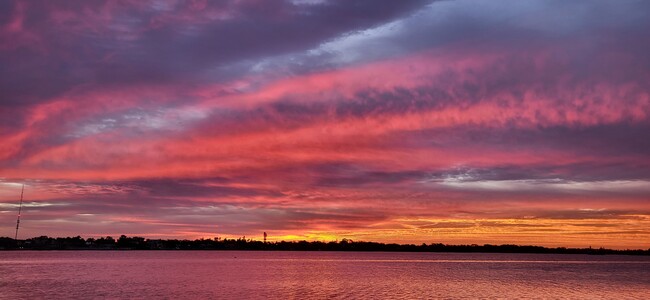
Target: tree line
<point>139,243</point>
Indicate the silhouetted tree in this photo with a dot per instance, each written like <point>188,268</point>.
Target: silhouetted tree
<point>139,243</point>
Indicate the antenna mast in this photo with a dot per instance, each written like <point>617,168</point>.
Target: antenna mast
<point>20,207</point>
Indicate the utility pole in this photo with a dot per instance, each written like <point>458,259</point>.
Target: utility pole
<point>20,207</point>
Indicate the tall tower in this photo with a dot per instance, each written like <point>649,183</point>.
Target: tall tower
<point>20,207</point>
<point>264,237</point>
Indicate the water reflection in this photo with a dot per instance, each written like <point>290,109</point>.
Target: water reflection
<point>240,274</point>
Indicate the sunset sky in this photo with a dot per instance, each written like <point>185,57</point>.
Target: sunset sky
<point>523,122</point>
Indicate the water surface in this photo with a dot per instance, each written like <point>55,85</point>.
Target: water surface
<point>300,275</point>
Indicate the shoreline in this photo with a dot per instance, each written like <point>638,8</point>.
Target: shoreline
<point>124,243</point>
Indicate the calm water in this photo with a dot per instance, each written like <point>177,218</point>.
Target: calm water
<point>300,275</point>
